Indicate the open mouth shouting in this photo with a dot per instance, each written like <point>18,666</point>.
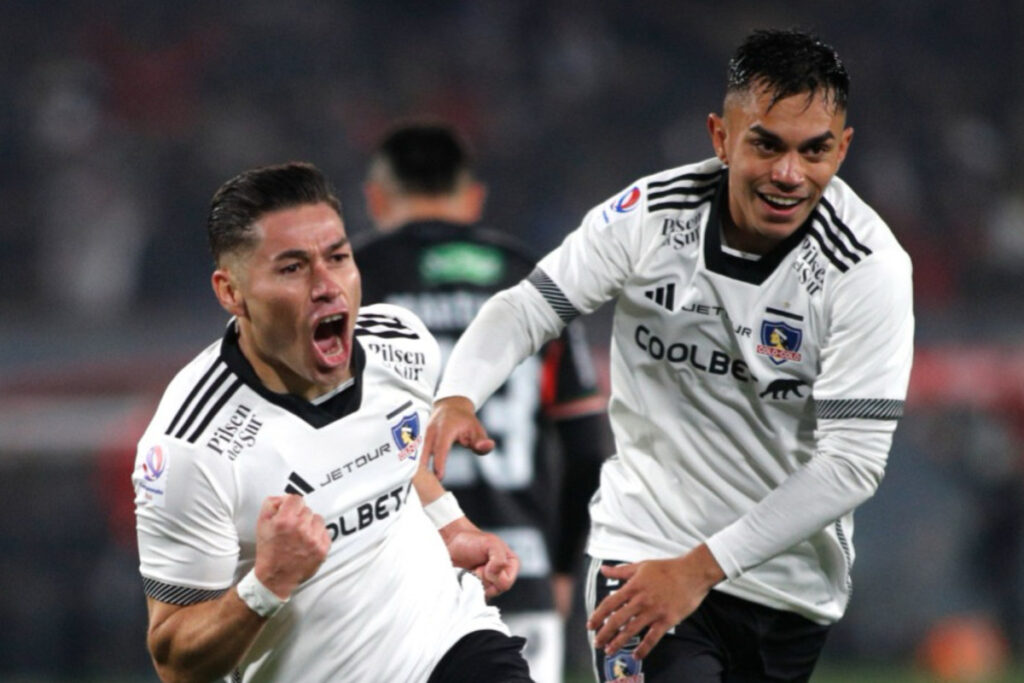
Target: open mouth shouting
<point>330,341</point>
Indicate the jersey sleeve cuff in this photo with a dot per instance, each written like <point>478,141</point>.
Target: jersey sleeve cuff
<point>178,595</point>
<point>719,547</point>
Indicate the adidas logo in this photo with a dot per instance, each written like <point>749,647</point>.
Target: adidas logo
<point>663,296</point>
<point>298,485</point>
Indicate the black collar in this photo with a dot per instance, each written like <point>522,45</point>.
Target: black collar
<point>317,415</point>
<point>745,270</point>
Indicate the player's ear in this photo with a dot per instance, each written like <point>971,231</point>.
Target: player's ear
<point>844,143</point>
<point>716,129</point>
<point>377,202</point>
<point>225,287</point>
<point>474,198</point>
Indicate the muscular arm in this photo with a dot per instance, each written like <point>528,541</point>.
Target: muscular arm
<point>200,642</point>
<point>206,640</point>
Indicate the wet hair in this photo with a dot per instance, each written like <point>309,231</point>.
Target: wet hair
<point>241,201</point>
<point>788,62</point>
<point>424,158</point>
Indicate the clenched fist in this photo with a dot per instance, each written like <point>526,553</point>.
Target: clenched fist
<point>291,543</point>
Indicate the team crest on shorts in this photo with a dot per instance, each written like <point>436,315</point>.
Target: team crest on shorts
<point>623,667</point>
<point>780,341</point>
<point>406,435</point>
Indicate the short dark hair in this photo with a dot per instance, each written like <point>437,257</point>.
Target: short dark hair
<point>789,62</point>
<point>241,201</point>
<point>425,158</point>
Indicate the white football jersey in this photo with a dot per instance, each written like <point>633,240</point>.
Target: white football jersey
<point>386,604</point>
<point>753,398</point>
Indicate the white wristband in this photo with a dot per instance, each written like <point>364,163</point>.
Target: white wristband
<point>444,510</point>
<point>258,597</point>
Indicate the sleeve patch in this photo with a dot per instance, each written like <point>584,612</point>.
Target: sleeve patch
<point>554,295</point>
<point>178,595</point>
<point>861,408</point>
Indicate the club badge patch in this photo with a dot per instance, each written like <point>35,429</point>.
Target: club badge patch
<point>406,435</point>
<point>623,667</point>
<point>780,341</point>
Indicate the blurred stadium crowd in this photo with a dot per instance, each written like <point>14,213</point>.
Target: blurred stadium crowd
<point>118,120</point>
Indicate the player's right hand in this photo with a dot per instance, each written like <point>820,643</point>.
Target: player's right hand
<point>453,421</point>
<point>291,543</point>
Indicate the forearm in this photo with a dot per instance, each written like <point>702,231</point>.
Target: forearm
<point>202,642</point>
<point>845,472</point>
<point>511,326</point>
<point>429,489</point>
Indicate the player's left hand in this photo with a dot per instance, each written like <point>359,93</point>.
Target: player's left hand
<point>657,595</point>
<point>484,554</point>
<point>453,421</point>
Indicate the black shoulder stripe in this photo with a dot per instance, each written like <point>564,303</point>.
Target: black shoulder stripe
<point>191,395</point>
<point>228,393</point>
<point>554,295</point>
<point>825,250</point>
<point>386,334</point>
<point>844,228</point>
<point>383,326</point>
<point>698,177</point>
<point>383,320</point>
<point>682,192</point>
<point>178,595</point>
<point>197,408</point>
<point>834,238</point>
<point>692,204</point>
<point>862,408</point>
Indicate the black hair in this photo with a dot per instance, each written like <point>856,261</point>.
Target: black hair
<point>241,201</point>
<point>425,158</point>
<point>789,62</point>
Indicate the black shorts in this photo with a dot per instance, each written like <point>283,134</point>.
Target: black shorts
<point>727,640</point>
<point>483,656</point>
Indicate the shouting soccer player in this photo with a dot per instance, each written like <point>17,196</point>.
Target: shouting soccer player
<point>279,485</point>
<point>762,344</point>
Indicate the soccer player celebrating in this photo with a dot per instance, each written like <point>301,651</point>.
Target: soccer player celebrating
<point>762,343</point>
<point>430,254</point>
<point>279,534</point>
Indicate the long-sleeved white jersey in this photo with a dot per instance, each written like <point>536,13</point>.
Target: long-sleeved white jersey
<point>753,399</point>
<point>386,603</point>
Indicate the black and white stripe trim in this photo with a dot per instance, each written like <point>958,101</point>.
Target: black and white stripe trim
<point>844,544</point>
<point>383,326</point>
<point>206,405</point>
<point>178,595</point>
<point>663,195</point>
<point>859,408</point>
<point>553,294</point>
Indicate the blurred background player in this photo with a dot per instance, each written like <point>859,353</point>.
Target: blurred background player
<point>431,255</point>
